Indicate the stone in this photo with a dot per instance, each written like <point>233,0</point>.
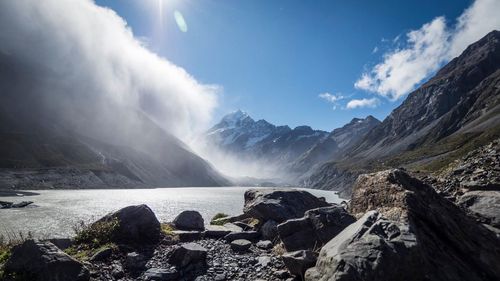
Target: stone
<point>279,205</point>
<point>42,260</point>
<point>102,255</point>
<point>188,236</point>
<point>316,228</point>
<point>407,231</point>
<point>263,261</point>
<point>219,231</point>
<point>299,261</point>
<point>62,243</point>
<point>247,235</point>
<point>269,230</point>
<point>189,220</point>
<point>240,245</point>
<point>137,225</point>
<point>484,206</point>
<point>189,253</point>
<point>264,244</point>
<point>135,261</point>
<point>161,274</point>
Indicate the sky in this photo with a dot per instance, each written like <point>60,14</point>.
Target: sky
<point>316,63</point>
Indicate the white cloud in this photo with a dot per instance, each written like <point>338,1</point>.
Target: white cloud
<point>361,103</point>
<point>332,99</point>
<point>427,49</point>
<point>89,61</point>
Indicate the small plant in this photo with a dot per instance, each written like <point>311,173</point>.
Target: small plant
<point>278,249</point>
<point>96,234</point>
<point>218,219</point>
<point>7,242</point>
<point>168,229</point>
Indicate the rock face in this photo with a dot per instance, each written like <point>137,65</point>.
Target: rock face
<point>414,234</point>
<point>189,220</point>
<point>136,225</point>
<point>43,261</point>
<point>316,228</point>
<point>279,205</point>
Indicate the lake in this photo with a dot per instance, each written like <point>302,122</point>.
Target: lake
<point>55,212</point>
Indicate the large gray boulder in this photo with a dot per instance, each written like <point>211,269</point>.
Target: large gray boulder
<point>137,225</point>
<point>414,234</point>
<point>188,254</point>
<point>316,228</point>
<point>43,261</point>
<point>483,205</point>
<point>189,220</point>
<point>279,205</point>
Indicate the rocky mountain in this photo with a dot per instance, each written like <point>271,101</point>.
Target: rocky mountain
<point>453,113</point>
<point>241,135</point>
<point>63,142</point>
<point>336,144</point>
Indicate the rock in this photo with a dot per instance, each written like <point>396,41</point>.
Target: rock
<point>230,219</point>
<point>279,205</point>
<point>135,261</point>
<point>281,274</point>
<point>161,274</point>
<point>316,228</point>
<point>187,254</point>
<point>136,225</point>
<point>263,261</point>
<point>484,206</point>
<point>189,220</point>
<point>8,205</point>
<point>42,260</point>
<point>299,261</point>
<point>413,234</point>
<point>265,244</point>
<point>220,277</point>
<point>219,231</point>
<point>269,230</point>
<point>102,255</point>
<point>188,236</point>
<point>247,235</point>
<point>62,243</point>
<point>240,245</point>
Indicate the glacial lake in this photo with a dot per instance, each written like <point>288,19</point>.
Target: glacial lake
<point>55,212</point>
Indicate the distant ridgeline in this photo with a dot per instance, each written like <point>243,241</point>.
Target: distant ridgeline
<point>455,112</point>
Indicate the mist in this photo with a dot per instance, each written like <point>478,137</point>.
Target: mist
<point>79,65</point>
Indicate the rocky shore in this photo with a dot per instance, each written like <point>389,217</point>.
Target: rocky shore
<point>396,227</point>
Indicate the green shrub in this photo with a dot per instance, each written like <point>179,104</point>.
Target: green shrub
<point>218,219</point>
<point>97,234</point>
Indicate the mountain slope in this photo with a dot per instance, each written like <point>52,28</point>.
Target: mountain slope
<point>239,134</point>
<point>64,142</point>
<point>454,112</point>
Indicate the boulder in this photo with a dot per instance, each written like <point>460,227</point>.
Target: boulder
<point>484,206</point>
<point>189,220</point>
<point>240,245</point>
<point>188,236</point>
<point>219,231</point>
<point>161,274</point>
<point>279,205</point>
<point>102,255</point>
<point>316,228</point>
<point>247,235</point>
<point>137,225</point>
<point>135,261</point>
<point>41,260</point>
<point>299,261</point>
<point>264,244</point>
<point>186,254</point>
<point>62,243</point>
<point>269,230</point>
<point>413,234</point>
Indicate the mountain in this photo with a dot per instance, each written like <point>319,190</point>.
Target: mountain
<point>453,113</point>
<point>335,144</point>
<point>239,134</point>
<point>63,142</point>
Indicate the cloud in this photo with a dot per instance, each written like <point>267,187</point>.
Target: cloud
<point>427,48</point>
<point>87,69</point>
<point>361,103</point>
<point>332,99</point>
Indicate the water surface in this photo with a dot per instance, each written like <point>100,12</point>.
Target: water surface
<point>57,211</point>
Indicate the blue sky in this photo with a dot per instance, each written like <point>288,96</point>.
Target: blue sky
<point>274,58</point>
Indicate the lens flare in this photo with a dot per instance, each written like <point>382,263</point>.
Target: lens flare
<point>181,23</point>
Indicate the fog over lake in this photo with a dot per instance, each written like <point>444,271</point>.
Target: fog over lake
<point>55,212</point>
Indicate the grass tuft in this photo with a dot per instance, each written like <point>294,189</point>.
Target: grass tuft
<point>218,219</point>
